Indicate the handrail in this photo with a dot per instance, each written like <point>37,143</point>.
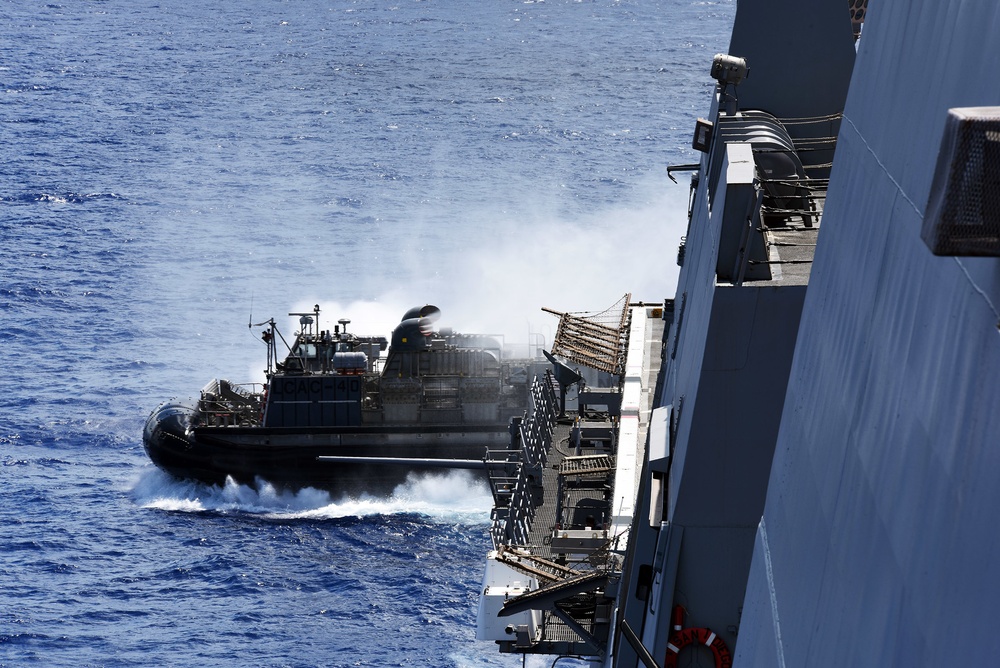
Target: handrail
<point>640,649</point>
<point>514,508</point>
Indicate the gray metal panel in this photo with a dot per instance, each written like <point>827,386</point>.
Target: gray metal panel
<point>314,401</point>
<point>638,574</point>
<point>659,439</point>
<point>729,424</point>
<point>713,566</point>
<point>668,549</point>
<point>734,201</point>
<point>800,55</point>
<point>722,458</point>
<point>880,524</point>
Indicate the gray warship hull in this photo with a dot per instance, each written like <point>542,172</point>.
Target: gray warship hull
<point>818,484</point>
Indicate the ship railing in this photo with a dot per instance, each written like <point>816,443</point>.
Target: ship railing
<point>511,525</point>
<point>800,149</point>
<point>224,416</point>
<point>766,222</point>
<point>536,432</point>
<point>790,202</point>
<point>544,399</point>
<point>497,526</point>
<point>503,467</point>
<point>225,404</point>
<point>815,141</point>
<point>515,473</point>
<point>534,444</point>
<point>513,500</point>
<point>801,199</point>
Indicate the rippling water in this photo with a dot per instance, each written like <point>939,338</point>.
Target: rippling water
<point>171,170</point>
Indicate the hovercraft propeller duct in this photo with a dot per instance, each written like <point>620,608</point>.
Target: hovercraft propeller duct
<point>417,324</point>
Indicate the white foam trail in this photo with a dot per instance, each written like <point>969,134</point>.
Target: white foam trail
<point>471,659</point>
<point>452,496</point>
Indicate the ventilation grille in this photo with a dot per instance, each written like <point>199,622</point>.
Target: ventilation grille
<point>963,210</point>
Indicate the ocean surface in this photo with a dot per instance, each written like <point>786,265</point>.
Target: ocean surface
<point>172,171</point>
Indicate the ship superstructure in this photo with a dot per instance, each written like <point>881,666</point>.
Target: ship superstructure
<point>565,490</point>
<point>759,200</point>
<point>818,483</point>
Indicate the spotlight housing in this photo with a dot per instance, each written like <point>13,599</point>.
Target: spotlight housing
<point>728,69</point>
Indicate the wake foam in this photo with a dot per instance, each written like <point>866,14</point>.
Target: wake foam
<point>451,496</point>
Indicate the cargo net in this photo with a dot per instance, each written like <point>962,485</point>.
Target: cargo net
<point>595,340</point>
<point>963,209</point>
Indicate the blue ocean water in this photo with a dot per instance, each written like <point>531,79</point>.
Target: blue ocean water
<point>171,170</point>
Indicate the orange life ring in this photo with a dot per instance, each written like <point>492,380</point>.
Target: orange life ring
<point>701,636</point>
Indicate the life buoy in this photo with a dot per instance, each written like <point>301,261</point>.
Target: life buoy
<point>690,636</point>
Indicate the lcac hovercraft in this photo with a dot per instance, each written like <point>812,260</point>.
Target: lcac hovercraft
<point>335,414</point>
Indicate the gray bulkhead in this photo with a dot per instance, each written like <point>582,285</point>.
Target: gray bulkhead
<point>878,545</point>
<point>730,346</point>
